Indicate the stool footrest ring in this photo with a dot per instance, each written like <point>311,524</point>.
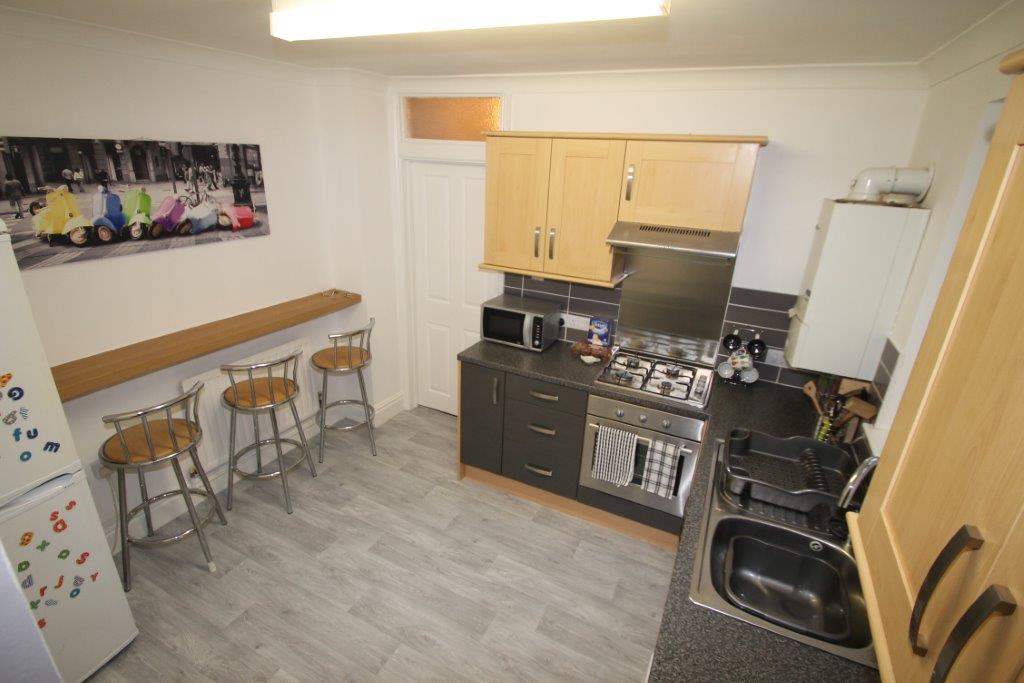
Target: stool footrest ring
<point>166,540</point>
<point>261,476</point>
<point>345,402</point>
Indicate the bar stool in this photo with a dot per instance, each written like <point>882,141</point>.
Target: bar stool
<point>149,438</point>
<point>349,352</point>
<point>257,389</point>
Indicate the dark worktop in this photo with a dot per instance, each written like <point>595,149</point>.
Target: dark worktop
<point>696,643</point>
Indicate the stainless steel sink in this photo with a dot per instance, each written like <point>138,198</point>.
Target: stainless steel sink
<point>793,581</point>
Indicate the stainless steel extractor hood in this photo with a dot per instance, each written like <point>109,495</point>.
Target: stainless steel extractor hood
<point>671,238</point>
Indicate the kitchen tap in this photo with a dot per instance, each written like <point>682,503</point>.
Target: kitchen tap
<point>856,481</point>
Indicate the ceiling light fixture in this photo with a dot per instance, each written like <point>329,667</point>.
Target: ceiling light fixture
<point>319,19</point>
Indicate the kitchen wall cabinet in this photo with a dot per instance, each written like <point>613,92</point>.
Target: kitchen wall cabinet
<point>689,184</point>
<point>552,198</point>
<point>482,407</point>
<point>954,455</point>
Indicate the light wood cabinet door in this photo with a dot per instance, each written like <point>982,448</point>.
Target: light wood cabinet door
<point>689,184</point>
<point>582,207</point>
<point>516,202</point>
<point>955,454</point>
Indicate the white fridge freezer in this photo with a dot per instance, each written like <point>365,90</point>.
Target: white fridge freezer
<point>60,556</point>
<point>49,527</point>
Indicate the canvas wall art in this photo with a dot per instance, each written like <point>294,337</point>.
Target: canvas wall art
<point>71,199</point>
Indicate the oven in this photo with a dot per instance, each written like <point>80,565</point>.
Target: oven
<point>648,424</point>
<point>531,324</point>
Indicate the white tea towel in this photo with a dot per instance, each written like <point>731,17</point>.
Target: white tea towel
<point>614,455</point>
<point>660,468</point>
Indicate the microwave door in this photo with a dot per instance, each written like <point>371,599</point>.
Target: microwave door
<point>504,326</point>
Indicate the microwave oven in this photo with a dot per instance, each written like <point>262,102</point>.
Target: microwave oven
<point>531,324</point>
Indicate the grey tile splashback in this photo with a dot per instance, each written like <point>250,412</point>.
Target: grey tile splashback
<point>762,311</point>
<point>883,375</point>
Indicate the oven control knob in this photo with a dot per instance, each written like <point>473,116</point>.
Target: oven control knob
<point>619,412</point>
<point>666,423</point>
<point>643,418</point>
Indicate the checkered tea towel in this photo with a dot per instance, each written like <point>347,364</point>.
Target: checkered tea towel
<point>614,455</point>
<point>660,468</point>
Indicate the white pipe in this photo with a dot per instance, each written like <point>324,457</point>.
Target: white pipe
<point>871,183</point>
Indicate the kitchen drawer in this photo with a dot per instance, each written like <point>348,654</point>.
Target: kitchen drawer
<point>546,394</point>
<point>543,429</point>
<point>555,472</point>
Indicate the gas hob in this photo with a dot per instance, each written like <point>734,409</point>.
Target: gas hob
<point>667,377</point>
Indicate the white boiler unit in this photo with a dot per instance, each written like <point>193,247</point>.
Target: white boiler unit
<point>858,269</point>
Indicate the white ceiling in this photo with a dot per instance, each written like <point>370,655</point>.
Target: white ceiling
<point>699,33</point>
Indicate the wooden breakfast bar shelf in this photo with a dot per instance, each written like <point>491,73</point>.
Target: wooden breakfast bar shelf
<point>86,375</point>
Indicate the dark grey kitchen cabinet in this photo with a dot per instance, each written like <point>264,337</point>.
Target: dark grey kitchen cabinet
<point>482,416</point>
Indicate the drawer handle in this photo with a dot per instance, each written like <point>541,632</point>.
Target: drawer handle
<point>542,471</point>
<point>544,397</point>
<point>494,392</point>
<point>995,600</point>
<point>546,431</point>
<point>966,537</point>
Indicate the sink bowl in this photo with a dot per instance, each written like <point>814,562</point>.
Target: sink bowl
<point>800,583</point>
<point>789,579</point>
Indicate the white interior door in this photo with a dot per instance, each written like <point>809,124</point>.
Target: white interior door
<point>446,209</point>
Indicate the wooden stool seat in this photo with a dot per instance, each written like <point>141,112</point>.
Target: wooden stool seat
<point>186,432</point>
<point>266,393</point>
<point>341,358</point>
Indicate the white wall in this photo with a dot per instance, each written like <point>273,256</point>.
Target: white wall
<point>824,125</point>
<point>965,86</point>
<point>59,75</point>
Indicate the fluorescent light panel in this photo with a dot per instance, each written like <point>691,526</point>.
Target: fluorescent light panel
<point>319,19</point>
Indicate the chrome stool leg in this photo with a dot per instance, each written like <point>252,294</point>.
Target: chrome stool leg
<point>302,438</point>
<point>194,455</point>
<point>367,410</point>
<point>122,505</point>
<point>231,462</point>
<point>259,456</point>
<point>280,462</point>
<point>323,417</point>
<point>145,497</point>
<point>196,522</point>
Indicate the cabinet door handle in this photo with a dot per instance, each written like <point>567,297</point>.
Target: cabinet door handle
<point>995,600</point>
<point>630,177</point>
<point>544,397</point>
<point>542,471</point>
<point>536,242</point>
<point>494,392</point>
<point>551,244</point>
<point>966,537</point>
<point>546,431</point>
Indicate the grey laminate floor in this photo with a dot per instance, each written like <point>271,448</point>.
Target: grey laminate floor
<point>391,570</point>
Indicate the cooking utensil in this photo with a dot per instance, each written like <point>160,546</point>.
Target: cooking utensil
<point>811,392</point>
<point>861,408</point>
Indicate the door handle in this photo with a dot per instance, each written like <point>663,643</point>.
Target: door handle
<point>494,392</point>
<point>542,471</point>
<point>546,431</point>
<point>966,537</point>
<point>551,244</point>
<point>995,600</point>
<point>630,177</point>
<point>543,396</point>
<point>536,242</point>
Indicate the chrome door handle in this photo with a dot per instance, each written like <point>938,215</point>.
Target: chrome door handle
<point>544,397</point>
<point>995,600</point>
<point>546,431</point>
<point>494,392</point>
<point>551,244</point>
<point>630,177</point>
<point>536,242</point>
<point>966,537</point>
<point>544,472</point>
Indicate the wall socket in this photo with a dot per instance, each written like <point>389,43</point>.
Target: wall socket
<point>576,322</point>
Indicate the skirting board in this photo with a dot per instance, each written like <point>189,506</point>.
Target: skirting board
<point>164,513</point>
<point>628,527</point>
